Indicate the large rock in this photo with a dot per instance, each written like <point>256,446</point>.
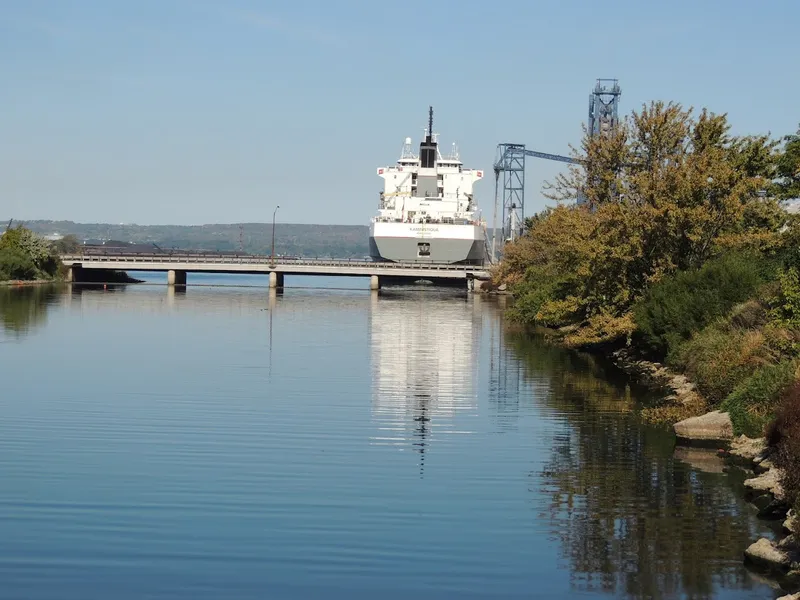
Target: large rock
<point>767,555</point>
<point>748,449</point>
<point>791,597</point>
<point>792,523</point>
<point>766,483</point>
<point>789,543</point>
<point>715,426</point>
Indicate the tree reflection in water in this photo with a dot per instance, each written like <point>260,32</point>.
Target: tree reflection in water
<point>631,519</point>
<point>23,308</point>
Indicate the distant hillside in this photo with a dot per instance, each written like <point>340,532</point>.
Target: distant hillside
<point>335,241</point>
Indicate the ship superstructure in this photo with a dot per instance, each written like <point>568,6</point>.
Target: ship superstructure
<point>427,211</point>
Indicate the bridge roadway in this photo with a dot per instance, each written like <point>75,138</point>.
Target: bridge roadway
<point>177,265</point>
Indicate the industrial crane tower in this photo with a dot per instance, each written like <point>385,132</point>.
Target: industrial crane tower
<point>510,161</point>
<point>604,106</point>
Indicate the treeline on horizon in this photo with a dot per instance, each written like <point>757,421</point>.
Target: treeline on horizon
<point>335,241</point>
<point>684,253</point>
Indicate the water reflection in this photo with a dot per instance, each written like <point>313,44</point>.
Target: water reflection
<point>24,308</point>
<point>632,516</point>
<point>210,466</point>
<point>424,354</point>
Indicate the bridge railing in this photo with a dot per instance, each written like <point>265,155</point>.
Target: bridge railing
<point>222,259</point>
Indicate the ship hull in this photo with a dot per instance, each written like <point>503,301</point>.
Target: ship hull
<point>402,242</point>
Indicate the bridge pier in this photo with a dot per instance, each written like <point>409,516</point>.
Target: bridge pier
<point>275,279</point>
<point>74,273</point>
<point>480,285</point>
<point>374,282</point>
<point>175,277</point>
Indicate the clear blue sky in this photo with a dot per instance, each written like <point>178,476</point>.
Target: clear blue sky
<point>201,111</point>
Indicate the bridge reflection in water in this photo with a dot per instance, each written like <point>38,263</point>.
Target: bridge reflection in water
<point>424,354</point>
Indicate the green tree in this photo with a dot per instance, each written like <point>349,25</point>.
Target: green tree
<point>666,191</point>
<point>26,255</point>
<point>68,243</point>
<point>788,168</point>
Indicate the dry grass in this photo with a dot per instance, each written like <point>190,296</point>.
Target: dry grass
<point>675,411</point>
<point>720,357</point>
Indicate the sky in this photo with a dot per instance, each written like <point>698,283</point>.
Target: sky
<point>210,111</point>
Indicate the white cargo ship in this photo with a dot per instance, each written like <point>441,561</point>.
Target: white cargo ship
<point>427,210</point>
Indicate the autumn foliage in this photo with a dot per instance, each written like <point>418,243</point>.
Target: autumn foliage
<point>682,250</point>
<point>665,192</point>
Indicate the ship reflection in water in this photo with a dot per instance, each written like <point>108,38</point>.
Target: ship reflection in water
<point>423,346</point>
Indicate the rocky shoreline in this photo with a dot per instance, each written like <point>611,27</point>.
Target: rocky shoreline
<point>24,282</point>
<point>681,399</point>
<point>108,277</point>
<point>695,426</point>
<point>779,560</point>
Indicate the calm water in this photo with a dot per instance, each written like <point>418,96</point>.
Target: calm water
<point>228,443</point>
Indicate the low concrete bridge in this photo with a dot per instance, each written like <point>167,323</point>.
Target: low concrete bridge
<point>178,265</point>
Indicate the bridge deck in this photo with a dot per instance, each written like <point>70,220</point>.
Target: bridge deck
<point>210,263</point>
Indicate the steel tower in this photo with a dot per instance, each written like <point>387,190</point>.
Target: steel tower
<point>604,106</point>
<point>510,161</point>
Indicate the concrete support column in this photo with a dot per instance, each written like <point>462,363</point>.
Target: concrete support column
<point>74,273</point>
<point>481,285</point>
<point>275,279</point>
<point>176,277</point>
<point>374,282</point>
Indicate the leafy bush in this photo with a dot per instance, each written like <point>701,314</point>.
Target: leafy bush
<point>786,304</point>
<point>684,303</point>
<point>530,295</point>
<point>720,357</point>
<point>783,434</point>
<point>27,255</point>
<point>604,329</point>
<point>755,399</point>
<point>15,264</point>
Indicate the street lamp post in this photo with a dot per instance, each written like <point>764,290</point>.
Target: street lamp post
<point>272,255</point>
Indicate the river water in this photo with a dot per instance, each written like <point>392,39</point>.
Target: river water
<point>231,442</point>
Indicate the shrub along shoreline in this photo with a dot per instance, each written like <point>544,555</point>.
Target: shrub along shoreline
<point>28,259</point>
<point>26,256</point>
<point>683,256</point>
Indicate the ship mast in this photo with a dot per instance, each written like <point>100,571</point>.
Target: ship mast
<point>427,149</point>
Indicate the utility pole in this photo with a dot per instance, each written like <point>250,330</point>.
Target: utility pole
<point>272,254</point>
